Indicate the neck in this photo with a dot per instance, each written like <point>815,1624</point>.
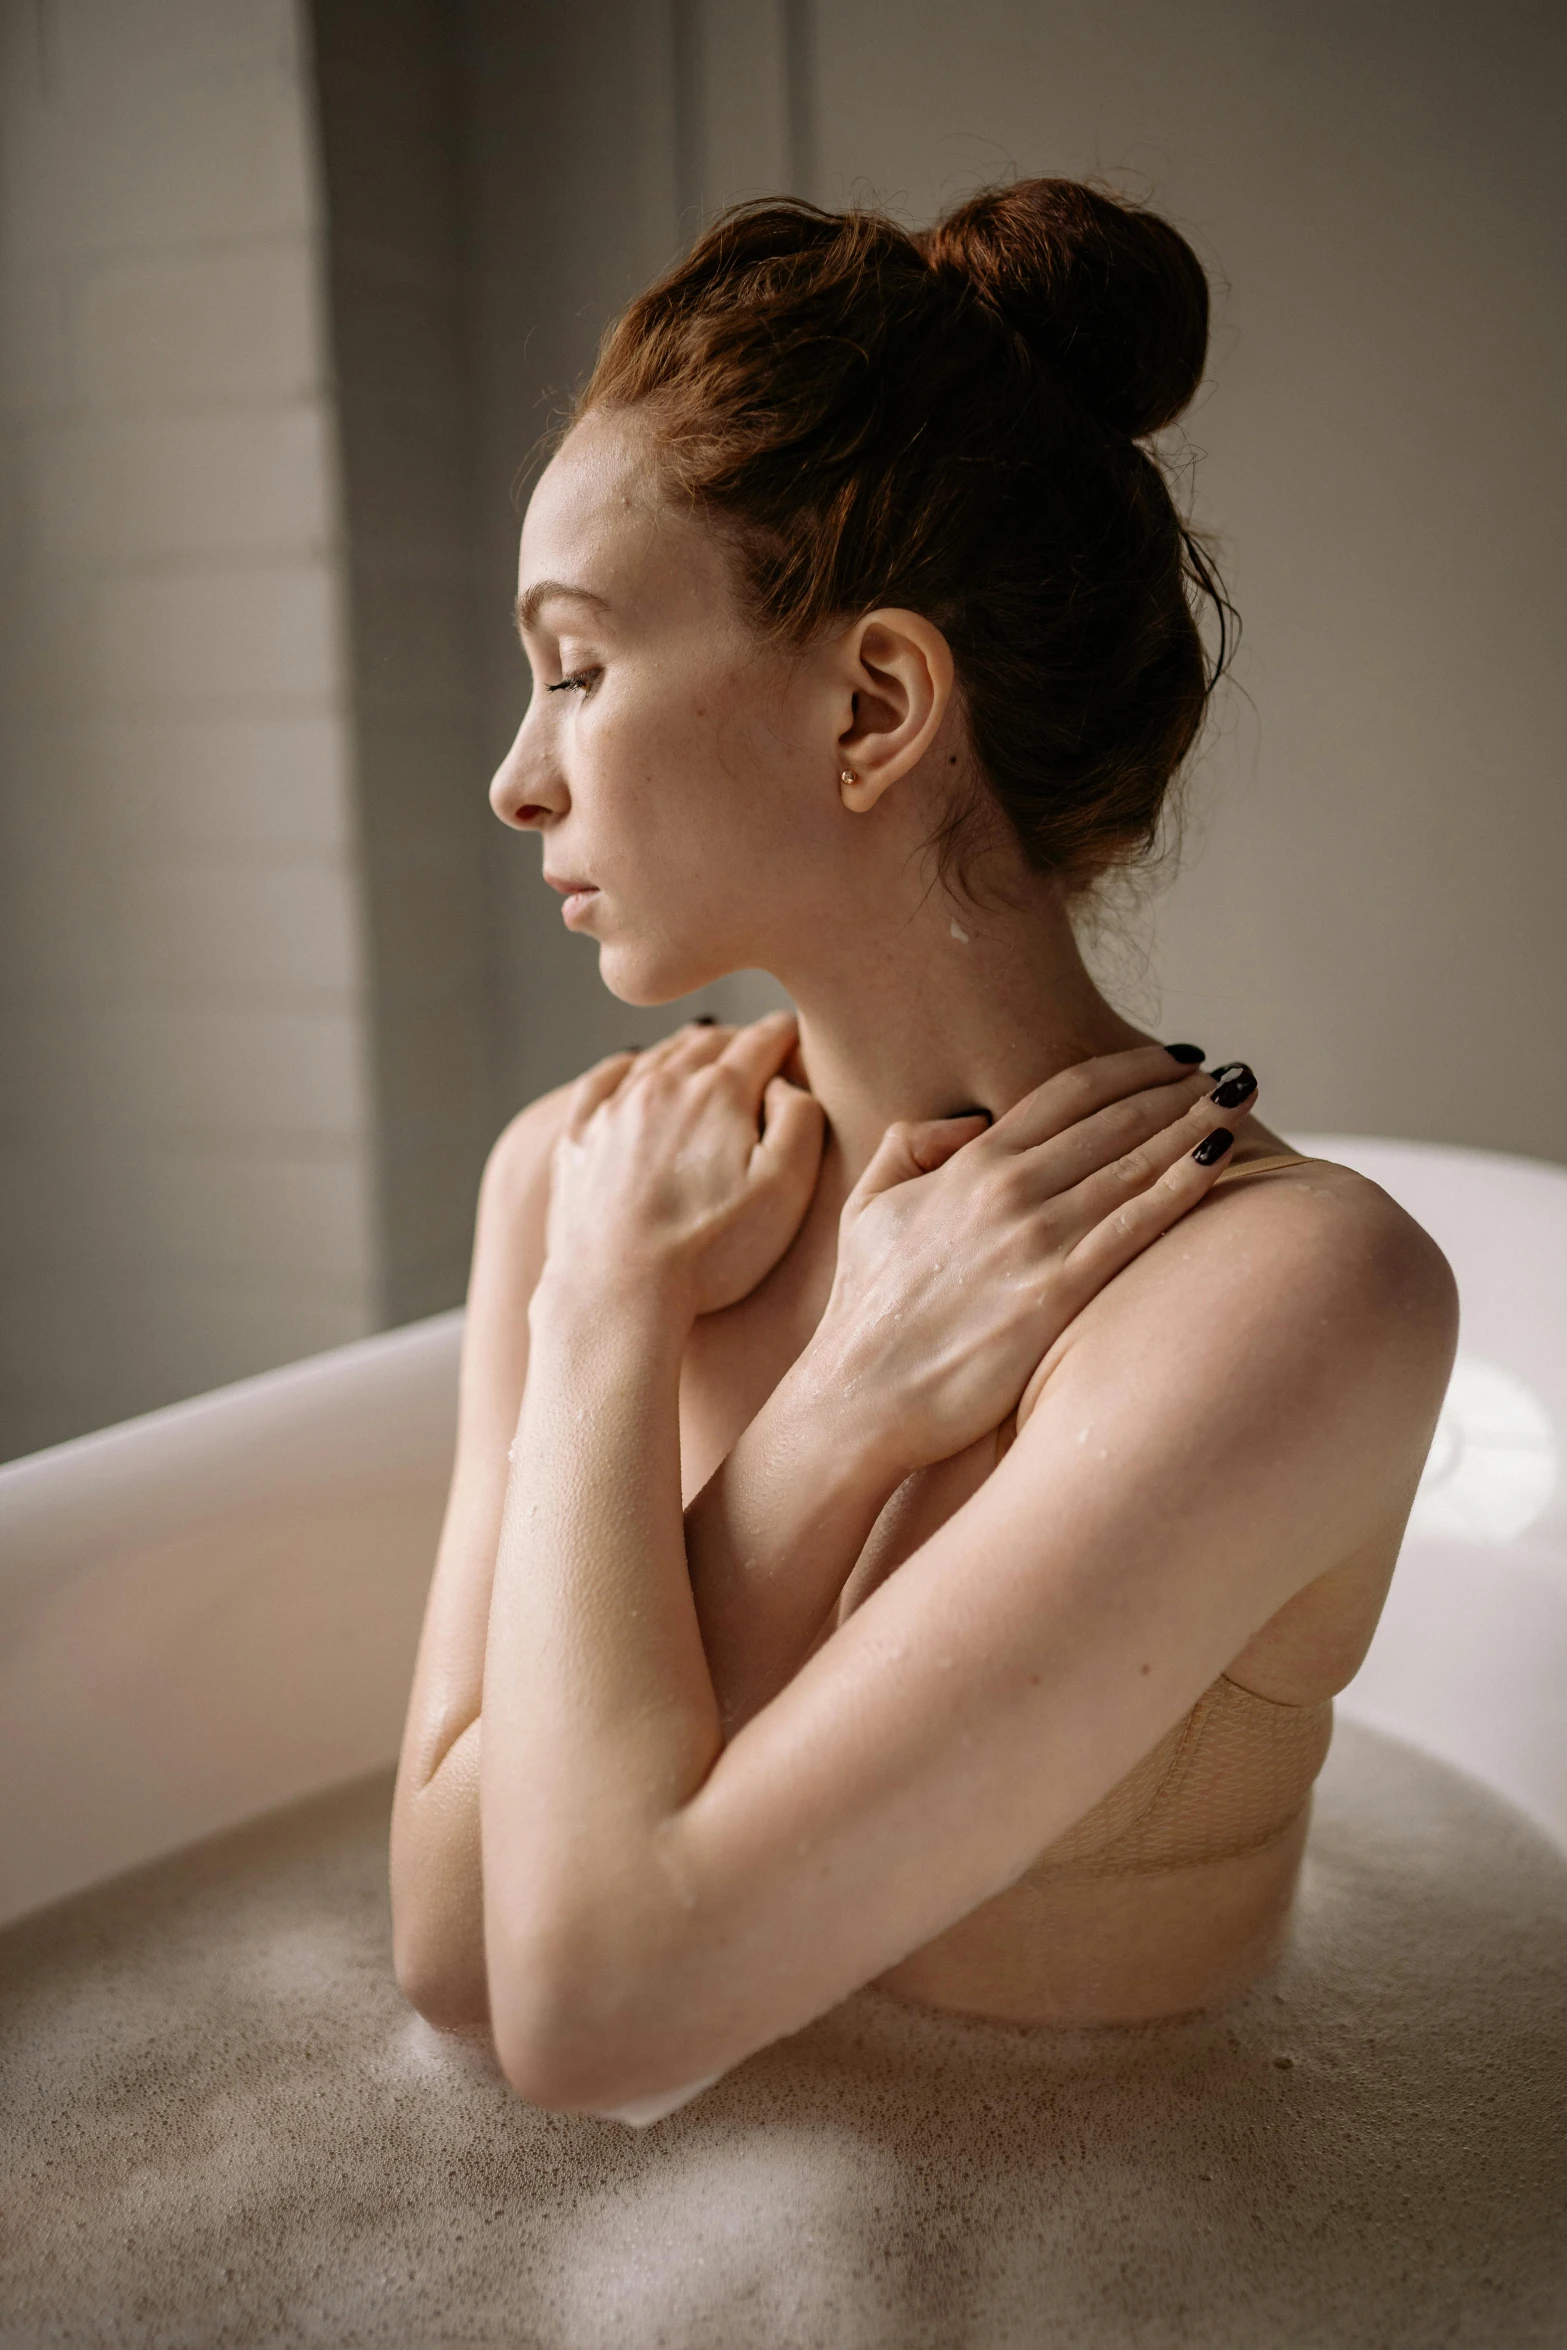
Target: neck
<point>958,1006</point>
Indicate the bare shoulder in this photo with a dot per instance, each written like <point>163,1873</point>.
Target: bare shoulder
<point>1329,1262</point>
<point>1298,1310</point>
<point>517,1168</point>
<point>1316,1234</point>
<point>1296,1241</point>
<point>508,1256</point>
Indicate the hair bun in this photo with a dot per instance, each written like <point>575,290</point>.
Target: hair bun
<point>1111,296</point>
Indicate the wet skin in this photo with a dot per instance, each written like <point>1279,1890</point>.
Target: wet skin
<point>997,1441</point>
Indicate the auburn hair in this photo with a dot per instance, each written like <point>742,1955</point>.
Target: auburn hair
<point>952,421</point>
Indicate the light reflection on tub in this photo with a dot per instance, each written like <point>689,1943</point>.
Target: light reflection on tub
<point>1470,1657</point>
<point>1494,1460</point>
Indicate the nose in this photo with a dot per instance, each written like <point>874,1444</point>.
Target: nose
<point>527,788</point>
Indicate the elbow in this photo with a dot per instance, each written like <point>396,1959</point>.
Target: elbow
<point>438,1944</point>
<point>559,2046</point>
<point>543,2068</point>
<point>576,2032</point>
<point>553,2057</point>
<point>437,1888</point>
<point>445,1986</point>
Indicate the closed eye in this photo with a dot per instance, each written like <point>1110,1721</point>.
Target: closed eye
<point>578,682</point>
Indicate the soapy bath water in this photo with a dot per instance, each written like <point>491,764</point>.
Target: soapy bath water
<point>223,2125</point>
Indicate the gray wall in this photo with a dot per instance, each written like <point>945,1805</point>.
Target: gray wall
<point>488,205</point>
<point>1368,903</point>
<point>1372,908</point>
<point>276,341</point>
<point>186,1121</point>
<point>598,138</point>
<point>389,83</point>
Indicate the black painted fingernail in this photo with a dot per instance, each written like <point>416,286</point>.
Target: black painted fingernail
<point>705,1020</point>
<point>974,1110</point>
<point>1213,1146</point>
<point>629,1048</point>
<point>1234,1090</point>
<point>1227,1069</point>
<point>1190,1054</point>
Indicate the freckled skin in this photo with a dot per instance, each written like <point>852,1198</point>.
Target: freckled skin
<point>908,1623</point>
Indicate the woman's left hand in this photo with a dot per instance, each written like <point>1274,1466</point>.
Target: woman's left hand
<point>688,1167</point>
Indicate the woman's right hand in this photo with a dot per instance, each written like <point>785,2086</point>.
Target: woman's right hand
<point>966,1249</point>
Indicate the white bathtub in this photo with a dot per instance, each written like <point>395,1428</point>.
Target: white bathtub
<point>210,1611</point>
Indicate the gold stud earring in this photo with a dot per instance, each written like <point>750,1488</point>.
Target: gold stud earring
<point>847,775</point>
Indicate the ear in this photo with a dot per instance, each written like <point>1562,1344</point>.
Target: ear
<point>900,673</point>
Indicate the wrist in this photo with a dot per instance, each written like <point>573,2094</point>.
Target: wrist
<point>646,1300</point>
<point>836,1425</point>
<point>601,1358</point>
<point>600,1340</point>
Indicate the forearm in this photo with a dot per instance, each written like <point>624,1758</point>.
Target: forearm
<point>437,1894</point>
<point>436,1883</point>
<point>438,1890</point>
<point>600,1719</point>
<point>774,1535</point>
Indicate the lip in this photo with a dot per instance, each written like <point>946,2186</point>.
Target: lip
<point>579,895</point>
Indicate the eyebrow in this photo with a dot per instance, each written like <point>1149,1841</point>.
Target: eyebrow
<point>532,600</point>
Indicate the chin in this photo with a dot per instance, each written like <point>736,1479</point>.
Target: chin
<point>658,976</point>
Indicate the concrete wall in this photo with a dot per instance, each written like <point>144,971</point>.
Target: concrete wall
<point>185,1125</point>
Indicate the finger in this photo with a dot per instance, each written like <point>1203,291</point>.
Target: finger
<point>596,1085</point>
<point>911,1148</point>
<point>758,1051</point>
<point>699,1041</point>
<point>1069,1158</point>
<point>691,1046</point>
<point>1109,1188</point>
<point>1077,1093</point>
<point>1137,1222</point>
<point>936,1140</point>
<point>794,1127</point>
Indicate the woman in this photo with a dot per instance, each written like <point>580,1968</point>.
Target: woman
<point>925,1467</point>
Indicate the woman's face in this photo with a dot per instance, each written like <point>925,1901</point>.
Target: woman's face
<point>680,772</point>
